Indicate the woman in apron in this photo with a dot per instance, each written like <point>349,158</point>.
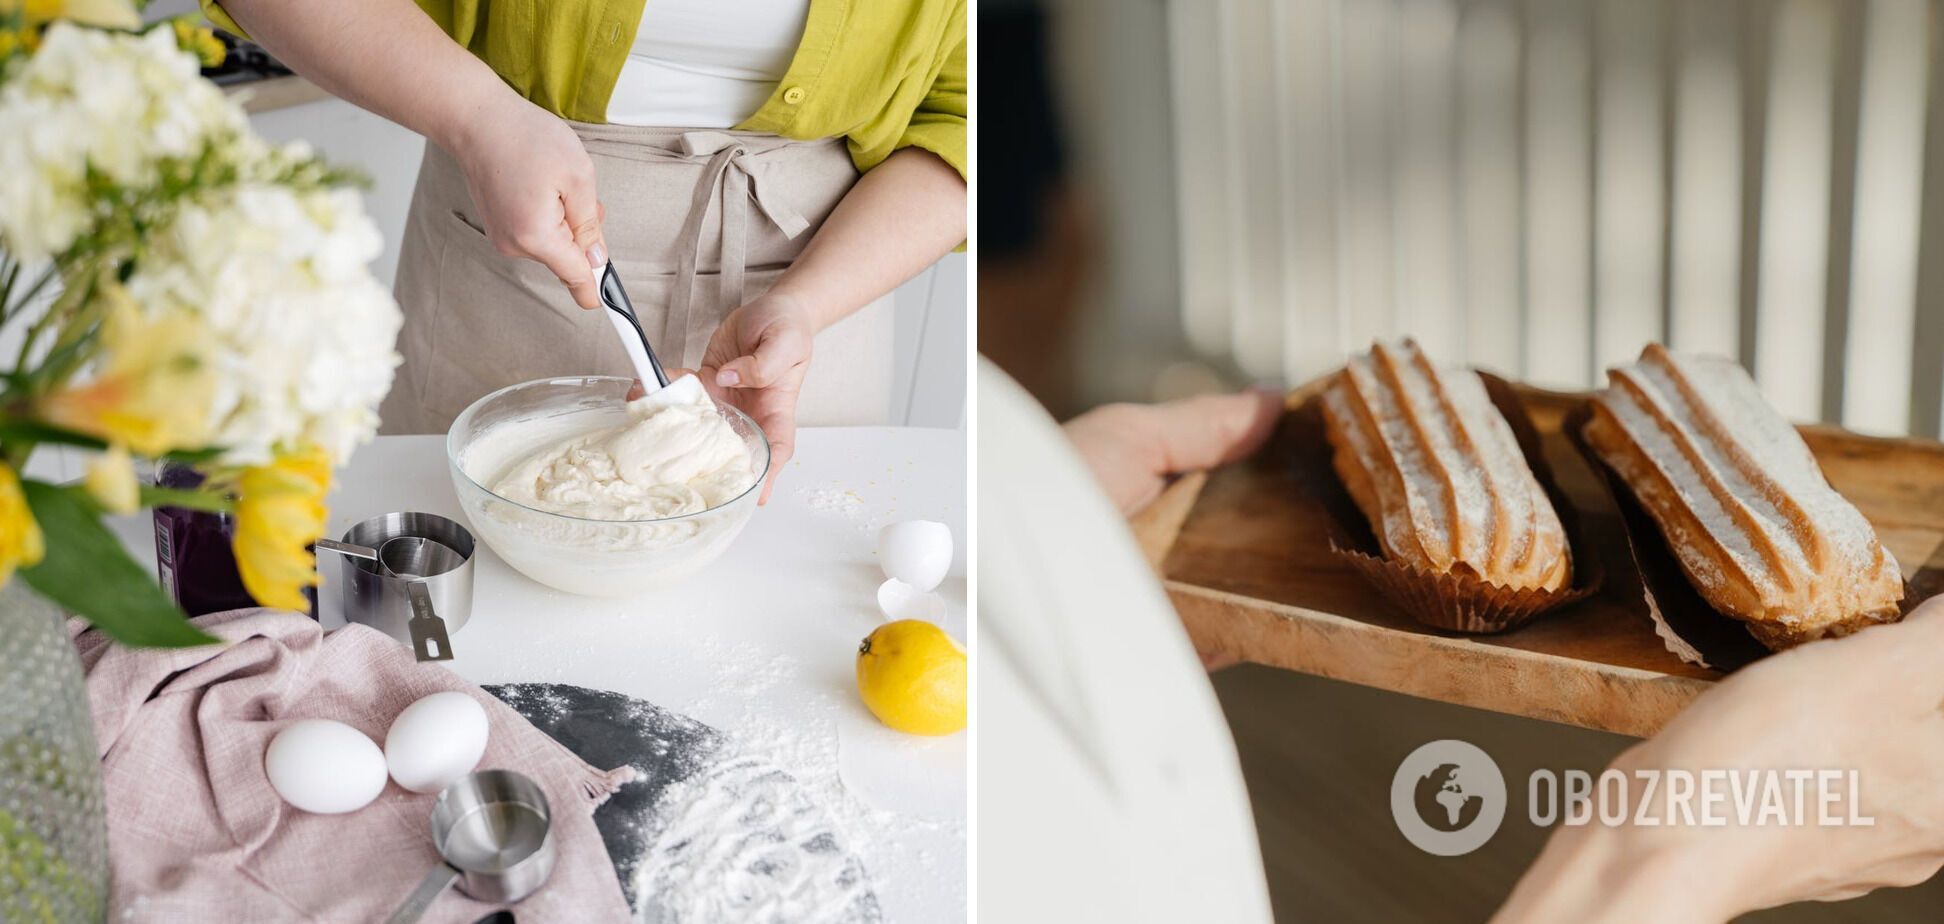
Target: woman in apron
<point>761,173</point>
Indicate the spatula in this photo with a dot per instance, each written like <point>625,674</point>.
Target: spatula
<point>627,326</point>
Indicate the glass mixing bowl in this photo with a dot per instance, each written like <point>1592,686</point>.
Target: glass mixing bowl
<point>601,558</point>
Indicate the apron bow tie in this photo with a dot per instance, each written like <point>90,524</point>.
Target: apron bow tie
<point>734,177</point>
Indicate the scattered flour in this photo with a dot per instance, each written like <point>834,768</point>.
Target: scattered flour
<point>797,847</point>
<point>844,503</point>
<point>741,841</point>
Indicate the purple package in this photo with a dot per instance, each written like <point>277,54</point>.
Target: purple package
<point>193,556</point>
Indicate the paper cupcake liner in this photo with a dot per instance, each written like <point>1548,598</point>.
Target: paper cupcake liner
<point>1925,582</point>
<point>1456,602</point>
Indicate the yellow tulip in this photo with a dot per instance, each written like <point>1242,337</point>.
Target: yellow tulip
<point>155,387</point>
<point>279,513</point>
<point>26,38</point>
<point>208,49</point>
<point>111,481</point>
<point>20,537</point>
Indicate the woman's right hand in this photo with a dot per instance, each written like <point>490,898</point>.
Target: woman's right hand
<point>1872,703</point>
<point>533,186</point>
<point>531,181</point>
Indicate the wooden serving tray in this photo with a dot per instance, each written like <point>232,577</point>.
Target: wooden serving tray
<point>1245,555</point>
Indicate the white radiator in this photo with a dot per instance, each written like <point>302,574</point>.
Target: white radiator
<point>1540,187</point>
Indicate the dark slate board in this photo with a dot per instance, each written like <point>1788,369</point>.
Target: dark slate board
<point>607,730</point>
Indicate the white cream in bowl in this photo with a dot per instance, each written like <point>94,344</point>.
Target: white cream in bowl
<point>614,499</point>
<point>666,460</point>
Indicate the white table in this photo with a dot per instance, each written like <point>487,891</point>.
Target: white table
<point>761,644</point>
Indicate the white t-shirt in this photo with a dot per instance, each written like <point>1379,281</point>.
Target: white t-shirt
<point>706,63</point>
<point>1109,789</point>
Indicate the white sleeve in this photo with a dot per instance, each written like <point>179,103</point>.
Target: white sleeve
<point>1108,786</point>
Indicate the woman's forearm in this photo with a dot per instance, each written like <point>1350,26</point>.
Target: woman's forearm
<point>899,218</point>
<point>1598,875</point>
<point>386,56</point>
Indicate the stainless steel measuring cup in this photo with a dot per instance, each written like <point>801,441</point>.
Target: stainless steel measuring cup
<point>418,587</point>
<point>493,831</point>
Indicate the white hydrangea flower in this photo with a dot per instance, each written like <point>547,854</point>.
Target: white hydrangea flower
<point>304,336</point>
<point>113,101</point>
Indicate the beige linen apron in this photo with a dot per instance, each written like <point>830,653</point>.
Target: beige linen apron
<point>698,222</point>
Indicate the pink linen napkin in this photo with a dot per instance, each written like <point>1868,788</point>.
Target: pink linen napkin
<point>195,833</point>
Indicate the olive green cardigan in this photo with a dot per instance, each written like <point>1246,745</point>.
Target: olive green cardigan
<point>882,74</point>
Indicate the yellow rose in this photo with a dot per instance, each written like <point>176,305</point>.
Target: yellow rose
<point>279,513</point>
<point>111,481</point>
<point>20,537</point>
<point>155,386</point>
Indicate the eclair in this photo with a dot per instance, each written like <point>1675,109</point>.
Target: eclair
<point>1436,469</point>
<point>1740,500</point>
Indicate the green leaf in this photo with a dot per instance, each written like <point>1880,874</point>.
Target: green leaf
<point>27,430</point>
<point>193,456</point>
<point>65,360</point>
<point>88,573</point>
<point>155,496</point>
<point>21,430</point>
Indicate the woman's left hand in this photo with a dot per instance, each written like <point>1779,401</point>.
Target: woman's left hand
<point>904,214</point>
<point>1134,449</point>
<point>756,362</point>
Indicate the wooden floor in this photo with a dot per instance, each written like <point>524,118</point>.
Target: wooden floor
<point>1318,756</point>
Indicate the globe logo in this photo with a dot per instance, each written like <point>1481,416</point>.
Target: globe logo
<point>1448,798</point>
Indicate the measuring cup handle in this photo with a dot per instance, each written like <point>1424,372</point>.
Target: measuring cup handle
<point>429,889</point>
<point>428,631</point>
<point>346,548</point>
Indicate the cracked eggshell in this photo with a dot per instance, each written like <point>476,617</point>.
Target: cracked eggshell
<point>917,552</point>
<point>898,600</point>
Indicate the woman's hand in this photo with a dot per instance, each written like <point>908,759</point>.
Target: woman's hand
<point>899,218</point>
<point>756,361</point>
<point>1872,703</point>
<point>533,185</point>
<point>1133,449</point>
<point>529,177</point>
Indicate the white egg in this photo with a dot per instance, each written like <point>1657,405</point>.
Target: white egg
<point>325,767</point>
<point>917,552</point>
<point>436,740</point>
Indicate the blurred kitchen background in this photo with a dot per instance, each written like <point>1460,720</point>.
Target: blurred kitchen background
<point>1536,187</point>
<point>931,324</point>
<point>1179,196</point>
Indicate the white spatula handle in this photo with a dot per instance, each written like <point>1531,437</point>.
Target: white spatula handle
<point>624,328</point>
<point>637,354</point>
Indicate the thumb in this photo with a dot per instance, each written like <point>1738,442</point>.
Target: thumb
<point>584,215</point>
<point>559,253</point>
<point>777,351</point>
<point>1211,430</point>
<point>1926,619</point>
<point>587,228</point>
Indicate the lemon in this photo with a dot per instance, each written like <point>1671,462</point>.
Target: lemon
<point>912,677</point>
